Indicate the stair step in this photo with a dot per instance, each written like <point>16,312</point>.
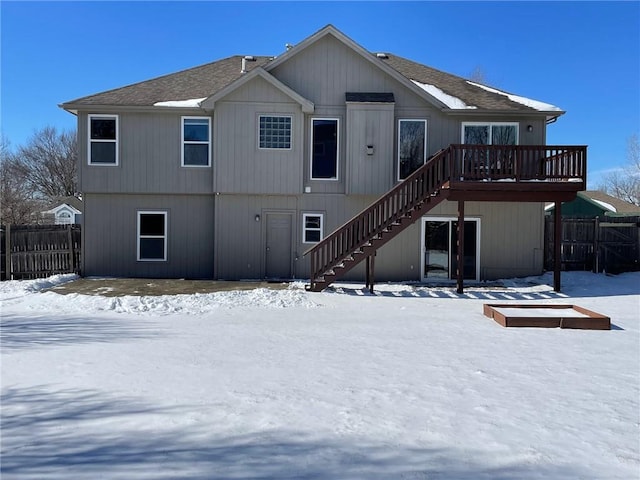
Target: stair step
<point>386,231</point>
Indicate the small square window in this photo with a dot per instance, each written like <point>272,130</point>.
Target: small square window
<point>274,132</point>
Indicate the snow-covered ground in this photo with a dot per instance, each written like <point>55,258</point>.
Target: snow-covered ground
<point>408,383</point>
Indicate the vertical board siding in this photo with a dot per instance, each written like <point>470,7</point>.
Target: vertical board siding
<point>369,125</point>
<point>512,236</point>
<point>149,158</point>
<point>324,71</point>
<point>111,235</point>
<point>242,167</point>
<point>327,186</point>
<point>240,239</point>
<point>217,236</point>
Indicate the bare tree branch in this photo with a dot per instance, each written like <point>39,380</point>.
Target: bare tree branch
<point>625,183</point>
<point>18,204</point>
<point>48,162</point>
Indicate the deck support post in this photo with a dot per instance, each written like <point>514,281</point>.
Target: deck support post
<point>557,244</point>
<point>370,268</point>
<point>460,253</point>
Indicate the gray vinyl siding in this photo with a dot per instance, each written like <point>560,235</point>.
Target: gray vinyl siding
<point>327,69</point>
<point>323,73</point>
<point>217,215</point>
<point>369,124</point>
<point>511,242</point>
<point>512,236</point>
<point>110,236</point>
<point>242,167</point>
<point>240,238</point>
<point>149,158</point>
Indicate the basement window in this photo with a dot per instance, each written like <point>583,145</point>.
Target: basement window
<point>152,236</point>
<point>312,226</point>
<point>103,140</point>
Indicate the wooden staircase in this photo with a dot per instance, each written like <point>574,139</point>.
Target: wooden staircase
<point>515,173</point>
<point>360,238</point>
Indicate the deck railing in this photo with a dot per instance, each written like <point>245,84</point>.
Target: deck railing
<point>518,162</point>
<point>372,221</point>
<point>456,163</point>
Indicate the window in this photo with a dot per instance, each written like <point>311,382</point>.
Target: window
<point>312,224</point>
<point>64,218</point>
<point>324,149</point>
<point>196,151</point>
<point>412,142</point>
<point>152,236</point>
<point>103,140</point>
<point>490,133</point>
<point>275,132</point>
<point>489,163</point>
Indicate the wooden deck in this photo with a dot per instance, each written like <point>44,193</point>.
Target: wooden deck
<point>516,173</point>
<point>461,173</point>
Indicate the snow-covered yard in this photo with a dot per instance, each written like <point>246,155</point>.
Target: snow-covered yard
<point>409,383</point>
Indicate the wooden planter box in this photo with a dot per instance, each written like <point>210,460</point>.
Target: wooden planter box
<point>546,316</point>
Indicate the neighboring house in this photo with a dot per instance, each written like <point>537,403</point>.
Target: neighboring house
<point>235,169</point>
<point>594,203</point>
<point>65,211</point>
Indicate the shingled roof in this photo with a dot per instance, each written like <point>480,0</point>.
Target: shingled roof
<point>197,82</point>
<point>469,92</point>
<point>620,206</point>
<point>203,81</point>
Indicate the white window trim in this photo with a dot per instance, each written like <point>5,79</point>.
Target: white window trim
<point>491,124</point>
<point>274,115</point>
<point>90,140</point>
<point>427,218</point>
<point>190,142</point>
<point>138,236</point>
<point>337,177</point>
<point>426,143</point>
<point>304,228</point>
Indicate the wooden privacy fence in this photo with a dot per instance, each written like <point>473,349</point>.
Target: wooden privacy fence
<point>601,244</point>
<point>37,251</point>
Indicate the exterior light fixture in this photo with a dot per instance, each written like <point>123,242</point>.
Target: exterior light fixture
<point>257,218</point>
<point>529,128</point>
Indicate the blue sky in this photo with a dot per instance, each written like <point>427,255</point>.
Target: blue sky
<point>581,56</point>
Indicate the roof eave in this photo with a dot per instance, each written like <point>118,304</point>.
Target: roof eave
<point>84,107</point>
<point>483,112</point>
<point>306,105</point>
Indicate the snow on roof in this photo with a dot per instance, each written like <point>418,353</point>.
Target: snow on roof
<point>606,205</point>
<point>527,102</point>
<point>449,100</point>
<point>194,102</point>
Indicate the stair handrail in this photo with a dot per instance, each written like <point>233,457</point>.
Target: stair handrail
<point>401,199</point>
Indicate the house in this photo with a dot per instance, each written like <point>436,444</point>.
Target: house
<point>64,211</point>
<point>242,169</point>
<point>594,203</point>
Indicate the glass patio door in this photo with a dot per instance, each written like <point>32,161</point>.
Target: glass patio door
<point>439,253</point>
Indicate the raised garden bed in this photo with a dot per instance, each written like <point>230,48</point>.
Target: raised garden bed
<point>546,316</point>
